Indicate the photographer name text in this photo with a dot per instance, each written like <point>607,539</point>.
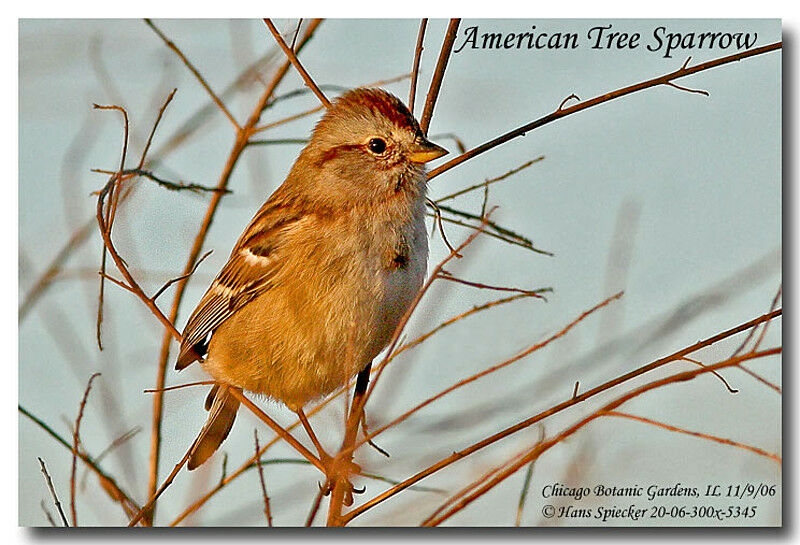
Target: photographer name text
<point>612,504</point>
<point>605,37</point>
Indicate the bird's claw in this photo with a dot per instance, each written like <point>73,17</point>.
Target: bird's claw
<point>340,469</point>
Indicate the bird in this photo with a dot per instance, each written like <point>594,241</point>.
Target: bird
<point>324,272</point>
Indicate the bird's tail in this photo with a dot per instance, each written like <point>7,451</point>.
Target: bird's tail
<point>222,407</point>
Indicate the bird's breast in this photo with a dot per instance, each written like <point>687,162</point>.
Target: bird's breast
<point>401,272</point>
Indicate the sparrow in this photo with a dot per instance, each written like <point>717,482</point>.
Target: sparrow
<point>319,280</point>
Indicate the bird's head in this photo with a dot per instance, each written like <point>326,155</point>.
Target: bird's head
<point>366,144</point>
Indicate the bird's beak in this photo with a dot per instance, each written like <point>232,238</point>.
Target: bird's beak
<point>425,151</point>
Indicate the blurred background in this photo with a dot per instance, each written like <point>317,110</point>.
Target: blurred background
<point>671,196</point>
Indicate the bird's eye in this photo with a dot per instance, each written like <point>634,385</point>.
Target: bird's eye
<point>377,145</point>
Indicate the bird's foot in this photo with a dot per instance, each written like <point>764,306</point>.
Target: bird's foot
<point>339,470</point>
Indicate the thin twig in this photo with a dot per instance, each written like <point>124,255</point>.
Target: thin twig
<point>681,88</point>
<point>179,386</point>
<point>284,434</point>
<point>365,431</point>
<point>490,181</point>
<point>521,241</point>
<point>720,377</point>
<point>172,186</point>
<point>296,33</point>
<point>267,510</point>
<point>53,492</point>
<point>498,229</point>
<point>750,335</point>
<point>118,282</point>
<point>121,440</point>
<point>452,136</point>
<point>312,513</point>
<point>773,306</point>
<point>194,71</point>
<point>132,284</point>
<point>444,275</point>
<point>573,96</point>
<point>296,63</point>
<point>161,111</point>
<point>526,484</point>
<point>181,277</point>
<point>454,319</point>
<point>75,446</point>
<point>714,438</point>
<point>438,219</point>
<point>412,93</point>
<point>438,74</point>
<point>109,219</point>
<point>761,379</point>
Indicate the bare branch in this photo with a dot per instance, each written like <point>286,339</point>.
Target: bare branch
<point>153,130</point>
<point>284,434</point>
<point>172,186</point>
<point>75,445</point>
<point>720,377</point>
<point>490,181</point>
<point>444,275</point>
<point>109,220</point>
<point>438,74</point>
<point>267,510</point>
<point>296,63</point>
<point>686,89</point>
<point>194,71</point>
<point>714,438</point>
<point>181,277</point>
<point>53,492</point>
<point>412,93</point>
<point>312,513</point>
<point>497,231</point>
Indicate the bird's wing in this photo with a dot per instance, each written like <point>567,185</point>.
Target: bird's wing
<point>250,270</point>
